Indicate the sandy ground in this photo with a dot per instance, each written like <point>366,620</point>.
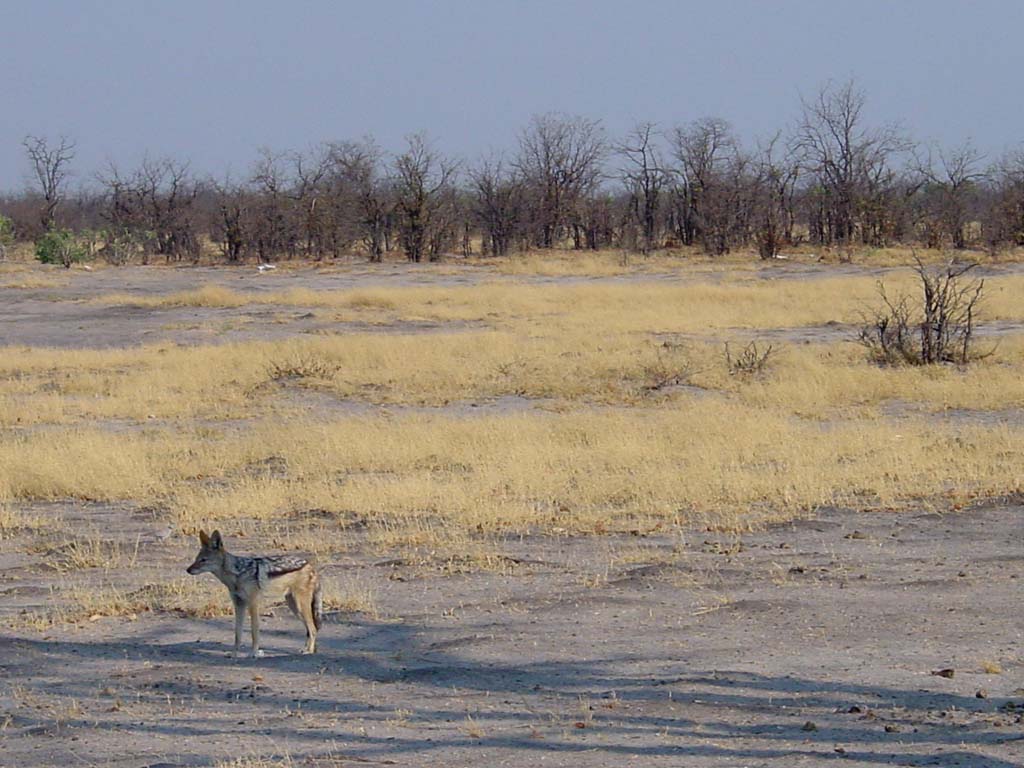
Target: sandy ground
<point>66,315</point>
<point>812,643</point>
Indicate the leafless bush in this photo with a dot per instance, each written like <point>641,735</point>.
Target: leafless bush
<point>751,360</point>
<point>302,366</point>
<point>672,367</point>
<point>938,330</point>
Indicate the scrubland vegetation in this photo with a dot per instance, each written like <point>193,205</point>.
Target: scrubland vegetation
<point>831,180</point>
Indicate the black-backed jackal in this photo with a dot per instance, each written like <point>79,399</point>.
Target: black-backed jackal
<point>253,580</point>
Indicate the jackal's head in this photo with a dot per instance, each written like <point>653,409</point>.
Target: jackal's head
<point>211,554</point>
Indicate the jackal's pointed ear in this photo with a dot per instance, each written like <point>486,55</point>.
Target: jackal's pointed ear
<point>215,541</point>
<point>203,538</point>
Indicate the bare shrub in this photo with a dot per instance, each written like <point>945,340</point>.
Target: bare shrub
<point>751,360</point>
<point>938,330</point>
<point>672,367</point>
<point>302,366</point>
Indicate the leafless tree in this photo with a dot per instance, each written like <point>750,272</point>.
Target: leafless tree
<point>276,233</point>
<point>50,170</point>
<point>310,192</point>
<point>851,162</point>
<point>169,190</point>
<point>716,188</point>
<point>498,202</point>
<point>951,178</point>
<point>836,179</point>
<point>560,162</point>
<point>232,226</point>
<point>1003,217</point>
<point>361,166</point>
<point>423,185</point>
<point>702,150</point>
<point>774,181</point>
<point>154,204</point>
<point>447,232</point>
<point>600,218</point>
<point>645,177</point>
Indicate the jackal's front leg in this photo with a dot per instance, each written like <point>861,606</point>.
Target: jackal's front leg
<point>239,621</point>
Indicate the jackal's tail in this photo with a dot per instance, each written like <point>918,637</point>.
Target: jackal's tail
<point>318,604</point>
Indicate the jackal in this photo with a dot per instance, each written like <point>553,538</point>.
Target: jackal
<point>251,580</point>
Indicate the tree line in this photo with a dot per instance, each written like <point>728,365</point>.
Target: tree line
<point>832,180</point>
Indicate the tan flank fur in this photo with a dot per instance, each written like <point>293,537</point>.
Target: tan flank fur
<point>251,581</point>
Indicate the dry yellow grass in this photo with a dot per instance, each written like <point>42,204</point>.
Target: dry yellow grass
<point>350,596</point>
<point>244,381</point>
<point>31,281</point>
<point>226,436</point>
<point>556,263</point>
<point>573,263</point>
<point>205,296</point>
<point>257,761</point>
<point>902,256</point>
<point>88,464</point>
<point>60,386</point>
<point>420,479</point>
<point>818,380</point>
<point>729,301</point>
<point>16,520</point>
<point>92,551</point>
<point>74,602</point>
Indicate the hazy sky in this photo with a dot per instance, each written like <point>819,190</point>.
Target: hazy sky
<point>213,81</point>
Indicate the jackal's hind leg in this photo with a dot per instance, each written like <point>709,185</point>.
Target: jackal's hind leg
<point>290,599</point>
<point>304,610</point>
<point>254,620</point>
